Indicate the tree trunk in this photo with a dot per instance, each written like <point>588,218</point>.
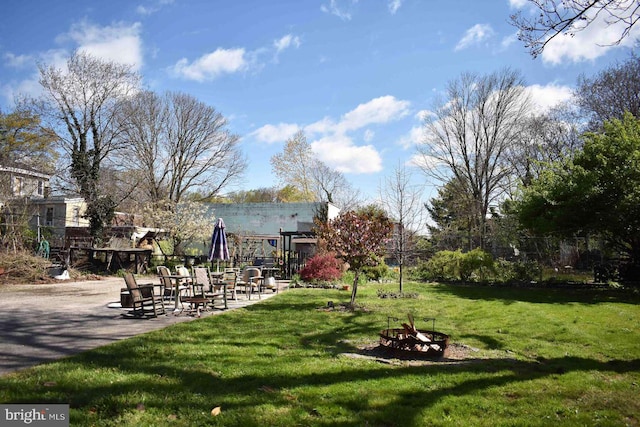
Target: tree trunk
<point>354,289</point>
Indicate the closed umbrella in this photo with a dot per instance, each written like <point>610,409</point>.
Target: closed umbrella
<point>219,248</point>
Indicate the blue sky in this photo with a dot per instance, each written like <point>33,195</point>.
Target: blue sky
<point>355,75</point>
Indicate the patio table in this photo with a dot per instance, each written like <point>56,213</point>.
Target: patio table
<point>177,278</point>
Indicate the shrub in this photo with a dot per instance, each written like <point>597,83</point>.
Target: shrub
<point>444,265</point>
<point>456,265</point>
<point>475,263</point>
<point>518,271</point>
<point>378,272</point>
<point>321,268</point>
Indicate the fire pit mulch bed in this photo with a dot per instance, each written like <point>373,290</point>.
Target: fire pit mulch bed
<point>455,353</point>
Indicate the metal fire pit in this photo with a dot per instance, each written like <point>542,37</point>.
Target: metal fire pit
<point>405,342</point>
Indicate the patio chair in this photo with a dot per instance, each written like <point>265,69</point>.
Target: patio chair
<point>209,287</point>
<point>251,280</point>
<point>230,281</point>
<point>147,299</point>
<point>169,287</point>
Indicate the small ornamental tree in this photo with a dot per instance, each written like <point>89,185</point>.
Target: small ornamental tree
<point>357,238</point>
<point>322,267</point>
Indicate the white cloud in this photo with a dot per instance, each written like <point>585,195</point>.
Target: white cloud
<point>589,43</point>
<point>549,96</point>
<point>334,9</point>
<point>151,9</point>
<point>379,110</point>
<point>517,4</point>
<point>118,43</point>
<point>285,42</point>
<point>339,152</point>
<point>331,140</point>
<point>424,162</point>
<point>326,125</point>
<point>17,61</point>
<point>394,5</point>
<point>212,65</point>
<point>11,90</point>
<point>509,40</point>
<point>275,133</point>
<point>475,35</point>
<point>413,138</point>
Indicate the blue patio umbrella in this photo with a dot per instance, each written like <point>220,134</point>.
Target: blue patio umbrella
<point>219,247</point>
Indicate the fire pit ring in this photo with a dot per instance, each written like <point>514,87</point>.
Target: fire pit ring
<point>409,341</point>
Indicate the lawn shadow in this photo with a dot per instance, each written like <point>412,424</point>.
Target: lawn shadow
<point>192,384</point>
<point>536,294</point>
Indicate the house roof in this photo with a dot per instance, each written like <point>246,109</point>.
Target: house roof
<point>23,170</point>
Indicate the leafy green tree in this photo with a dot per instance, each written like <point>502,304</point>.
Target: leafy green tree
<point>597,192</point>
<point>357,238</point>
<point>24,141</point>
<point>452,225</point>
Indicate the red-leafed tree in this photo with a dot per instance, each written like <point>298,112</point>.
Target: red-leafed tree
<point>358,238</point>
<point>322,267</point>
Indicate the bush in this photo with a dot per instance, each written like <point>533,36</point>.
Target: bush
<point>475,264</point>
<point>321,268</point>
<point>443,265</point>
<point>378,272</point>
<point>519,271</point>
<point>456,265</point>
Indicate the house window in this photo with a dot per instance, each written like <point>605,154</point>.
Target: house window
<point>40,187</point>
<point>76,216</point>
<point>18,184</point>
<point>49,217</point>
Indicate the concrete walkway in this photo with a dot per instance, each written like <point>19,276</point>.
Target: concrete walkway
<point>41,323</point>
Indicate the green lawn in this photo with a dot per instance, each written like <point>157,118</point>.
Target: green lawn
<point>532,357</point>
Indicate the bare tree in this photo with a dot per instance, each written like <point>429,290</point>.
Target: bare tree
<point>330,185</point>
<point>81,103</point>
<point>545,138</point>
<point>402,200</point>
<point>177,144</point>
<point>469,133</point>
<point>610,93</point>
<point>143,120</point>
<point>553,17</point>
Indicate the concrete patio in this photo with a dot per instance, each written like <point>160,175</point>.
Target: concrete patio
<point>42,323</point>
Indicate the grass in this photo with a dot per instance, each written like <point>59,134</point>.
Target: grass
<point>535,357</point>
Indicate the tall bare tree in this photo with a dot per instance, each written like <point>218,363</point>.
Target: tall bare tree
<point>469,133</point>
<point>545,138</point>
<point>610,93</point>
<point>178,145</point>
<point>81,102</point>
<point>401,198</point>
<point>554,17</point>
<point>330,185</point>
